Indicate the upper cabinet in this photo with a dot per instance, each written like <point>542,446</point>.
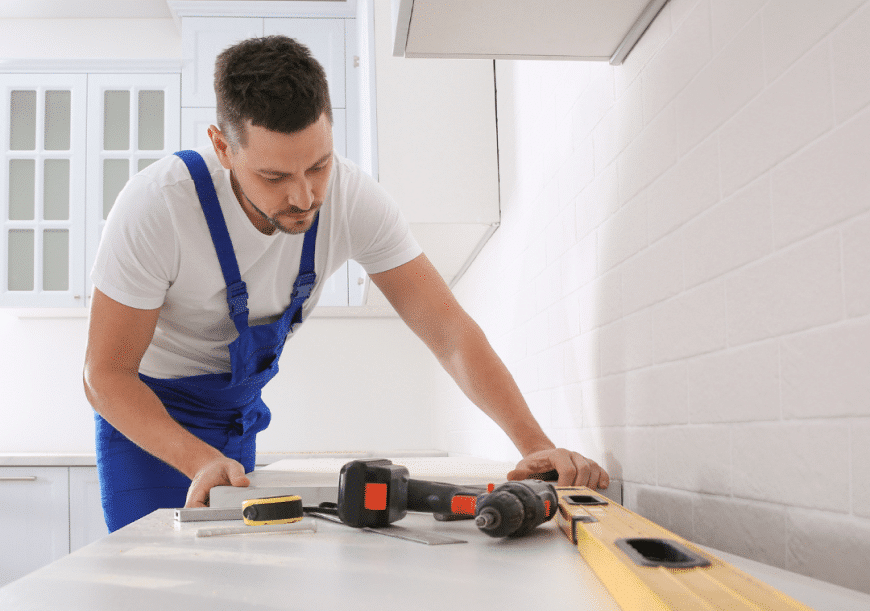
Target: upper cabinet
<point>520,29</point>
<point>207,28</point>
<point>68,145</point>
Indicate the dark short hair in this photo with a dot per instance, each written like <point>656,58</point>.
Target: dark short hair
<point>274,82</point>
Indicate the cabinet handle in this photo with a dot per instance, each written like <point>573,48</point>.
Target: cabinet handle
<point>22,478</point>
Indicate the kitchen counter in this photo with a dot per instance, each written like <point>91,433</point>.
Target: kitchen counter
<point>159,563</point>
<point>156,563</point>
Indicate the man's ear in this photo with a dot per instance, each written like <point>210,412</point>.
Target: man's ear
<point>221,146</point>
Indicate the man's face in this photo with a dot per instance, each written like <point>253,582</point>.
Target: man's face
<point>280,179</point>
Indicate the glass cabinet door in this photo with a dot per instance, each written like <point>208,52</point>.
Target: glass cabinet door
<point>133,120</point>
<point>42,189</point>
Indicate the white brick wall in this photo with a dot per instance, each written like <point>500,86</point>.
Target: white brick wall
<point>681,281</point>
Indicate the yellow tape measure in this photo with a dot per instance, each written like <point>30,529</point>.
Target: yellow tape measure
<point>272,510</point>
<point>648,568</point>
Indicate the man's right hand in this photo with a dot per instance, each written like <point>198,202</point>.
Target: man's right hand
<point>221,471</point>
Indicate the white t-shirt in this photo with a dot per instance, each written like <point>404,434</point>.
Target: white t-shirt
<point>156,252</point>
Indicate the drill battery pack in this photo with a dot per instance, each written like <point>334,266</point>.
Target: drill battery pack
<point>648,568</point>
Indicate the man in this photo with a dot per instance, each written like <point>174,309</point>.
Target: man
<point>211,259</point>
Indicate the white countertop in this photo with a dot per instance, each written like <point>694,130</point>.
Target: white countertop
<point>157,564</point>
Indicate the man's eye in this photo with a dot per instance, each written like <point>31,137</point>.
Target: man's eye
<point>273,180</point>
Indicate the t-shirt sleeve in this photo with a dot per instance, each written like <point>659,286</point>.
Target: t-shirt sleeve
<point>137,257</point>
<point>380,236</point>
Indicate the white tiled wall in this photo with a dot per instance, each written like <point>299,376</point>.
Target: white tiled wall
<point>681,281</point>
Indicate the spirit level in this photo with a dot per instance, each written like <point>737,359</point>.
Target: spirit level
<point>648,568</point>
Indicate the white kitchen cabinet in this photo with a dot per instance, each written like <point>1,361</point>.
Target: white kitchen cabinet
<point>46,512</point>
<point>202,38</point>
<point>68,144</point>
<point>86,520</point>
<point>331,41</point>
<point>34,519</point>
<point>325,38</point>
<point>42,189</point>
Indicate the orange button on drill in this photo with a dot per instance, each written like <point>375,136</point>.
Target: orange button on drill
<point>375,497</point>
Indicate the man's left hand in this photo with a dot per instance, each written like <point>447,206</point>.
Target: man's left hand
<point>573,468</point>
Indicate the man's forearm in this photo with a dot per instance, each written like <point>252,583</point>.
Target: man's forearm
<point>131,407</point>
<point>486,381</point>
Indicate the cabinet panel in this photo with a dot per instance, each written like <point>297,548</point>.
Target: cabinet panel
<point>133,120</point>
<point>86,521</point>
<point>34,519</point>
<point>194,126</point>
<point>42,169</point>
<point>202,39</point>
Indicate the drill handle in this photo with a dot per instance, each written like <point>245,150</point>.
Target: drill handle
<point>439,498</point>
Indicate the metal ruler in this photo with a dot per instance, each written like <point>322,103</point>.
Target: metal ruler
<point>399,532</point>
<point>648,568</point>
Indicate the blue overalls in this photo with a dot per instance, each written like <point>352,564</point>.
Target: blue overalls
<point>225,410</point>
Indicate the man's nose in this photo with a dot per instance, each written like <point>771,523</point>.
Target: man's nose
<point>301,194</point>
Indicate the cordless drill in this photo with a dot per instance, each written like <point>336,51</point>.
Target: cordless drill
<point>376,492</point>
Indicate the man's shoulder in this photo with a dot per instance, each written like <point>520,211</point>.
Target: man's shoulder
<point>171,169</point>
<point>163,194</point>
<point>354,187</point>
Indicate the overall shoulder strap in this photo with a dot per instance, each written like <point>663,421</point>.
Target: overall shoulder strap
<point>237,292</point>
<point>304,283</point>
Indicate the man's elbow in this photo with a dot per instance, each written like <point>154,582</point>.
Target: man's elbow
<point>91,382</point>
<point>102,383</point>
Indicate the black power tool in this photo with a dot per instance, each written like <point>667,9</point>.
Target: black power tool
<point>376,492</point>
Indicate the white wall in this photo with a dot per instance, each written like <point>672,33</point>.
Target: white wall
<point>351,384</point>
<point>344,384</point>
<point>681,280</point>
<point>89,39</point>
<point>43,405</point>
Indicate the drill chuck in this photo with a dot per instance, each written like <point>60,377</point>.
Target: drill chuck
<point>488,519</point>
<point>515,508</point>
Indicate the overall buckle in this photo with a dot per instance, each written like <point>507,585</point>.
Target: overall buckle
<point>237,298</point>
<point>303,286</point>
